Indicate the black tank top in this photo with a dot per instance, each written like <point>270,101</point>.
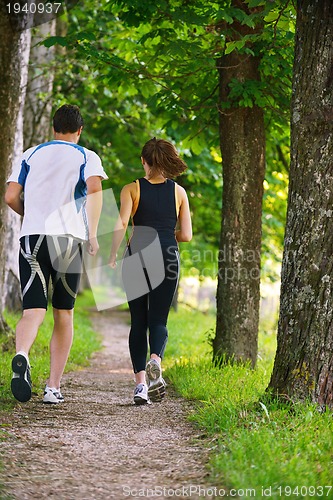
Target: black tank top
<point>157,209</point>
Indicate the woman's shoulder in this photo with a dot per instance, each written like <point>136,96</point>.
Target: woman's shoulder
<point>180,190</point>
<point>128,188</point>
<point>131,185</point>
<point>131,189</point>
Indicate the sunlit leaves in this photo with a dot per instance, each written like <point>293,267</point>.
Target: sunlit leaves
<point>150,68</point>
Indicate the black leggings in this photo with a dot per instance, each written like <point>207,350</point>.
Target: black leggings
<point>150,313</point>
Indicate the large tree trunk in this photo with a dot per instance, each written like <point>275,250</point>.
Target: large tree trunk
<point>38,106</point>
<point>303,366</point>
<point>32,127</point>
<point>12,292</point>
<point>242,140</point>
<point>11,49</point>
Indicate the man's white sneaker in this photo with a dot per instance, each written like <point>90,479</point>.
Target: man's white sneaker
<point>156,384</point>
<point>21,381</point>
<point>141,394</point>
<point>52,396</point>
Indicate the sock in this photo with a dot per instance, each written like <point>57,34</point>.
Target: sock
<point>23,354</point>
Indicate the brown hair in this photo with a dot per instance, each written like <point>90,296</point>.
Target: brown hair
<point>163,158</point>
<point>67,119</point>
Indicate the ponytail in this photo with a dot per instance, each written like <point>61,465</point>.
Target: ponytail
<point>163,158</point>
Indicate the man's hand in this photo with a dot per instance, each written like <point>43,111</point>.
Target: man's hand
<point>92,246</point>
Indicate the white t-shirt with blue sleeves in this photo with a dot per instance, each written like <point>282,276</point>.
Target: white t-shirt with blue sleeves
<point>53,176</point>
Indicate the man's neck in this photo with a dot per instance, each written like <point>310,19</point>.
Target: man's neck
<point>67,137</point>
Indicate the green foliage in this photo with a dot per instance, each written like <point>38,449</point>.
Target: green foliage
<point>55,40</point>
<point>258,441</point>
<point>85,343</point>
<point>148,69</point>
<point>275,201</point>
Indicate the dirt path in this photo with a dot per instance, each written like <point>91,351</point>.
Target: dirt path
<point>98,445</point>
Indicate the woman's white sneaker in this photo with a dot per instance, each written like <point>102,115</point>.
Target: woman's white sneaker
<point>156,383</point>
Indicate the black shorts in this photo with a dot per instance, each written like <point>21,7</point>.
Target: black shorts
<point>43,257</point>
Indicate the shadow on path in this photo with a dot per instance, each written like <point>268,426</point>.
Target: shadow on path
<point>97,444</point>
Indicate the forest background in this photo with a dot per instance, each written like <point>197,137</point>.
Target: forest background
<point>138,72</point>
<point>217,80</point>
<point>226,82</point>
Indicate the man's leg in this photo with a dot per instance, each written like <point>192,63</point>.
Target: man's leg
<point>66,278</point>
<point>27,328</point>
<point>60,345</point>
<point>26,332</point>
<point>34,278</point>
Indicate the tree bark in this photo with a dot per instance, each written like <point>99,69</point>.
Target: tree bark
<point>11,48</point>
<point>242,141</point>
<point>303,366</point>
<point>38,104</point>
<point>32,127</point>
<point>12,292</point>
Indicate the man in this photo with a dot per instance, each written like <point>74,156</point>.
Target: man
<point>57,189</point>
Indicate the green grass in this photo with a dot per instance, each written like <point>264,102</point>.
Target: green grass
<point>257,442</point>
<point>85,343</point>
<point>181,326</point>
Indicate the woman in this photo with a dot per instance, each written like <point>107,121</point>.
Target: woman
<point>157,205</point>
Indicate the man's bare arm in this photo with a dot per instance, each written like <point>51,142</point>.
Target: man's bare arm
<point>93,208</point>
<point>13,197</point>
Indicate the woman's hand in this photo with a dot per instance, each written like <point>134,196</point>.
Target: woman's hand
<point>112,261</point>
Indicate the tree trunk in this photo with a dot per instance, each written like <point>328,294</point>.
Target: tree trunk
<point>38,106</point>
<point>11,48</point>
<point>33,127</point>
<point>242,141</point>
<point>12,292</point>
<point>303,366</point>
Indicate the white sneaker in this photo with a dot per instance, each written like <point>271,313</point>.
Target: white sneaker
<point>52,395</point>
<point>141,394</point>
<point>156,384</point>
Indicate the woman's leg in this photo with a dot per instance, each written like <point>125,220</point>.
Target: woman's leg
<point>160,301</point>
<point>138,336</point>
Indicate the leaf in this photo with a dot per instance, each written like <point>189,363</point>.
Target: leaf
<point>255,3</point>
<point>197,145</point>
<point>227,18</point>
<point>86,35</point>
<point>265,409</point>
<point>55,40</point>
<point>230,46</point>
